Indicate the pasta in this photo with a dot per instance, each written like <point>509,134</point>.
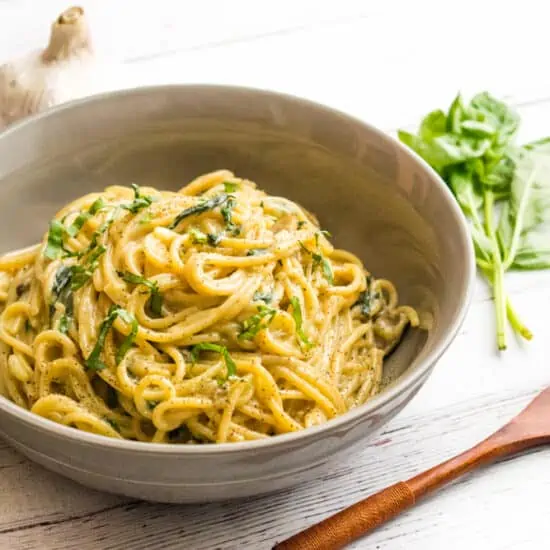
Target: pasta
<point>215,314</point>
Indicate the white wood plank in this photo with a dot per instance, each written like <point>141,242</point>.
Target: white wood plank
<point>131,30</point>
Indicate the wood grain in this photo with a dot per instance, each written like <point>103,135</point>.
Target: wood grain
<point>529,429</point>
<point>387,62</point>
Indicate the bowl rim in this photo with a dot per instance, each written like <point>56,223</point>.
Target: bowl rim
<point>404,382</point>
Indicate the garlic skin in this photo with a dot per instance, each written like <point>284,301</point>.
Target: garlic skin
<point>67,69</point>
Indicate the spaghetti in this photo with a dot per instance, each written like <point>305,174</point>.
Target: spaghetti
<point>215,314</point>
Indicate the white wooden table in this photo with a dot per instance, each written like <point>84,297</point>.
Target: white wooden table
<point>387,62</point>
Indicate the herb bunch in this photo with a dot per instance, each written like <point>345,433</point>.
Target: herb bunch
<point>502,188</point>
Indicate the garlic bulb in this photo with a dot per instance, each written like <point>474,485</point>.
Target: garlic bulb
<point>67,69</point>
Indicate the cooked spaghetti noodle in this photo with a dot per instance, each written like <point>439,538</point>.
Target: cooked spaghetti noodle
<point>214,314</point>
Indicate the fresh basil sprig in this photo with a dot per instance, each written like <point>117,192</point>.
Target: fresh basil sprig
<point>472,147</point>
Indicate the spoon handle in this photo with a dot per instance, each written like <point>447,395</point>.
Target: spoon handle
<point>351,523</point>
<point>344,527</point>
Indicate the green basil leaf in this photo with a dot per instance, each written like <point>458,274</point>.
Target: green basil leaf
<point>455,115</point>
<point>214,240</point>
<point>434,124</point>
<point>156,300</point>
<point>465,190</point>
<point>197,236</point>
<point>227,214</point>
<point>64,323</point>
<point>82,273</point>
<point>327,271</point>
<point>201,207</point>
<point>83,217</point>
<point>140,201</point>
<point>445,150</point>
<point>485,108</point>
<point>129,339</point>
<point>230,187</point>
<point>265,297</point>
<point>62,291</point>
<point>54,246</point>
<point>230,365</point>
<point>367,298</point>
<point>298,320</point>
<point>319,260</point>
<point>93,362</point>
<point>525,221</point>
<point>257,322</point>
<point>477,128</point>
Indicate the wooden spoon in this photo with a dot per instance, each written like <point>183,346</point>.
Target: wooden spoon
<point>528,429</point>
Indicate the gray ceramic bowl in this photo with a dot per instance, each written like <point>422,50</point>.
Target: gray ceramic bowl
<point>376,198</point>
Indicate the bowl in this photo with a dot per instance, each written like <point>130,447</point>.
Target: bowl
<point>377,199</point>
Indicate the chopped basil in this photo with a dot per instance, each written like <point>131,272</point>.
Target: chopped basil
<point>320,261</point>
<point>96,234</point>
<point>301,224</point>
<point>140,201</point>
<point>156,299</point>
<point>82,273</point>
<point>201,207</point>
<point>83,217</point>
<point>155,303</point>
<point>93,361</point>
<point>257,322</point>
<point>197,236</point>
<point>298,320</point>
<point>227,214</point>
<point>366,299</point>
<point>230,365</point>
<point>213,239</point>
<point>28,326</point>
<point>64,323</point>
<point>62,280</point>
<point>62,292</point>
<point>265,297</point>
<point>128,341</point>
<point>54,247</point>
<point>327,270</point>
<point>230,187</point>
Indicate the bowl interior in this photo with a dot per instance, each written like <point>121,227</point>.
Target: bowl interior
<point>376,199</point>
